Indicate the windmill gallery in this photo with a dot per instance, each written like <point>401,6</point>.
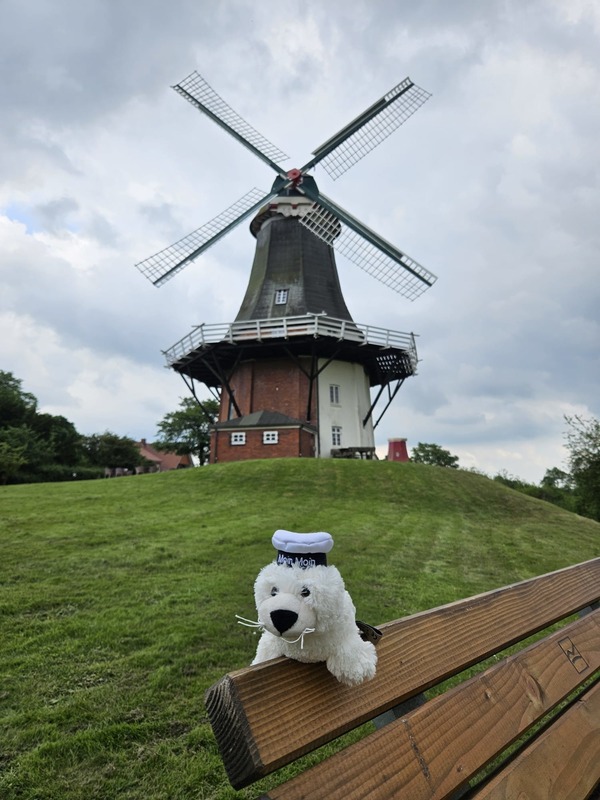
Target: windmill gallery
<point>294,372</point>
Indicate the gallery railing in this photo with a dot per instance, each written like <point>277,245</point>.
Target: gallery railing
<point>316,325</point>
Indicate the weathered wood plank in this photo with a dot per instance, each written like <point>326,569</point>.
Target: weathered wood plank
<point>415,653</point>
<point>563,763</point>
<point>436,749</point>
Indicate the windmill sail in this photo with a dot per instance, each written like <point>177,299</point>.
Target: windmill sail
<point>201,95</point>
<point>162,266</point>
<point>353,239</point>
<point>368,251</point>
<point>363,134</point>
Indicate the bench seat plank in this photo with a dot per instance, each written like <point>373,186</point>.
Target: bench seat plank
<point>266,716</point>
<point>563,763</point>
<point>435,749</point>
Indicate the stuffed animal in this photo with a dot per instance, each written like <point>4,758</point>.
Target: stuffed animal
<point>305,612</point>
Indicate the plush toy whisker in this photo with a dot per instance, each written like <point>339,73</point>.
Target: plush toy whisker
<point>249,623</point>
<point>300,638</point>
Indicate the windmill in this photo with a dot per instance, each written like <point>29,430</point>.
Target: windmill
<point>294,371</point>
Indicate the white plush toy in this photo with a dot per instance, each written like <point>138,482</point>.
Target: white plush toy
<point>305,612</point>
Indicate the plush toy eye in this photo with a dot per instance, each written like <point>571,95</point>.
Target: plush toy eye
<point>305,592</point>
<point>274,591</point>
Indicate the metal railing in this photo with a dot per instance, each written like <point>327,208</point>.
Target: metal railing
<point>316,325</point>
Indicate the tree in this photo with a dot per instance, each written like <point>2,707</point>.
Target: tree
<point>555,478</point>
<point>583,444</point>
<point>62,437</point>
<point>12,458</point>
<point>16,406</point>
<point>111,451</point>
<point>512,481</point>
<point>34,446</point>
<point>433,454</point>
<point>28,448</point>
<point>187,430</point>
<point>557,487</point>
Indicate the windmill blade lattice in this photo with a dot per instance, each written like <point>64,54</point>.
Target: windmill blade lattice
<point>368,130</point>
<point>201,95</point>
<point>327,220</point>
<point>162,266</point>
<point>402,273</point>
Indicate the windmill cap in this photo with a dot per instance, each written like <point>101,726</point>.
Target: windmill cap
<point>304,549</point>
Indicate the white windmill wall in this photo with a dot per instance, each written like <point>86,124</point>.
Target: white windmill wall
<point>354,401</point>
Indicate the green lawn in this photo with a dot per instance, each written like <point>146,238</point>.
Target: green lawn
<point>118,599</point>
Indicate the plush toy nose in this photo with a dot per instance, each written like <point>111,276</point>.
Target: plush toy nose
<point>283,619</point>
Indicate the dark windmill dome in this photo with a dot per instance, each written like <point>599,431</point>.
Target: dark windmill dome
<point>294,371</point>
<point>294,272</point>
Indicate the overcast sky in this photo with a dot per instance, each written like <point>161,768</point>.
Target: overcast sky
<point>492,185</point>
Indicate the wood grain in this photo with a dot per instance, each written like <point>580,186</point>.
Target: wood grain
<point>436,749</point>
<point>266,716</point>
<point>563,763</point>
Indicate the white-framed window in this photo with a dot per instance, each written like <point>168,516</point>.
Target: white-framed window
<point>281,297</point>
<point>238,438</point>
<point>336,436</point>
<point>334,394</point>
<point>270,437</point>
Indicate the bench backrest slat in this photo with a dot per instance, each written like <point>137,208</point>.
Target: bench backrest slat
<point>266,716</point>
<point>565,756</point>
<point>434,750</point>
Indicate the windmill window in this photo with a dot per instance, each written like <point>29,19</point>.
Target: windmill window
<point>336,436</point>
<point>270,437</point>
<point>281,297</point>
<point>238,438</point>
<point>334,395</point>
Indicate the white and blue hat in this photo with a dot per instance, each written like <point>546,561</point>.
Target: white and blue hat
<point>304,549</point>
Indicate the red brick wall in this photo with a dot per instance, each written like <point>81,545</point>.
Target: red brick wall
<point>270,385</point>
<point>307,444</point>
<point>293,442</point>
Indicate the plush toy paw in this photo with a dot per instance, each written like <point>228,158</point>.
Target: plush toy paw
<point>354,666</point>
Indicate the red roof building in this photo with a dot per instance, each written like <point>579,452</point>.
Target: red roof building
<point>160,461</point>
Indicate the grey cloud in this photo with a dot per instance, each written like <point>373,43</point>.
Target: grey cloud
<point>99,228</point>
<point>55,216</point>
<point>162,216</point>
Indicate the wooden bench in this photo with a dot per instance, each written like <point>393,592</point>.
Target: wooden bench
<point>269,715</point>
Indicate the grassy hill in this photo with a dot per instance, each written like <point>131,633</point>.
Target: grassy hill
<point>118,599</point>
